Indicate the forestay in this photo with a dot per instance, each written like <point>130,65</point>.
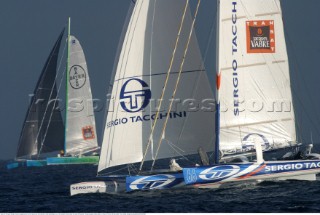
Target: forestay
<point>80,126</point>
<point>139,79</point>
<point>255,83</point>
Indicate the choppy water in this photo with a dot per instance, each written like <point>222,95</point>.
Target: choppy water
<point>46,189</point>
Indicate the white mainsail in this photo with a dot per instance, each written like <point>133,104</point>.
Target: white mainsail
<point>140,76</point>
<point>255,83</point>
<point>81,134</point>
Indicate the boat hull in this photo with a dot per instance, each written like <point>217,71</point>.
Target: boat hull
<point>219,174</point>
<point>73,160</point>
<point>206,177</point>
<point>154,182</point>
<point>16,164</point>
<point>132,183</point>
<point>26,163</point>
<point>36,163</point>
<point>110,187</point>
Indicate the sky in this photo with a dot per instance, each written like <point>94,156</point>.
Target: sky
<point>29,29</point>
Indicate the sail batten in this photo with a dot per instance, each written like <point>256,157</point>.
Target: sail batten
<point>258,123</point>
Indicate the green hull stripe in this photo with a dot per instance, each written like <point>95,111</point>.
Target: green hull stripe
<point>73,160</point>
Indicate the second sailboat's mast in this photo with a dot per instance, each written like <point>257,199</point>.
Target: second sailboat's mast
<point>67,83</point>
<point>218,82</point>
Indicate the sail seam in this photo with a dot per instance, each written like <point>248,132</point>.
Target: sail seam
<point>190,71</point>
<point>229,19</point>
<point>258,123</point>
<point>279,61</point>
<point>268,14</point>
<point>245,66</point>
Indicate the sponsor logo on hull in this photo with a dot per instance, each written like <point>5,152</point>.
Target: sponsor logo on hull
<point>86,187</point>
<point>228,173</point>
<point>152,182</point>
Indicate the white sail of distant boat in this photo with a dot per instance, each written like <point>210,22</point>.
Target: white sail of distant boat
<point>81,134</point>
<point>80,129</point>
<point>255,89</point>
<point>140,76</point>
<point>43,130</point>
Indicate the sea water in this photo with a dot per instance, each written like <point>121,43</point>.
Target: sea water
<point>46,189</point>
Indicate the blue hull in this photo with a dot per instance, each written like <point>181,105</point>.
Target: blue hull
<point>26,163</point>
<point>154,182</point>
<point>252,171</point>
<point>36,163</point>
<point>14,165</point>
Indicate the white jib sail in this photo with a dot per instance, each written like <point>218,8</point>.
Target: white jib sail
<point>255,83</point>
<point>81,134</point>
<point>138,83</point>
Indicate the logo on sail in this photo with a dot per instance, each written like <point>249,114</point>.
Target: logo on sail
<point>250,139</point>
<point>260,36</point>
<point>88,133</point>
<point>77,77</point>
<point>133,100</point>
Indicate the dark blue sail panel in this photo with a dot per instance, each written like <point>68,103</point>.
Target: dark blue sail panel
<point>43,124</point>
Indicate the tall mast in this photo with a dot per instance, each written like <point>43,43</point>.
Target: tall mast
<point>218,82</point>
<point>67,83</point>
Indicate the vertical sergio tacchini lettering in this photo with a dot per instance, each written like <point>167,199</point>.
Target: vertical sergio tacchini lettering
<point>235,62</point>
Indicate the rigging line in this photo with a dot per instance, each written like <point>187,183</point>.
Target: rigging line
<point>33,100</point>
<point>180,154</point>
<point>297,68</point>
<point>177,82</point>
<point>310,118</point>
<point>54,104</point>
<point>165,83</point>
<point>202,68</point>
<point>133,168</point>
<point>150,58</point>
<point>173,145</point>
<point>45,112</point>
<point>298,119</point>
<point>159,74</point>
<point>296,65</point>
<point>107,174</point>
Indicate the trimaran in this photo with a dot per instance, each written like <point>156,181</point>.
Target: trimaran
<point>43,133</point>
<point>160,107</point>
